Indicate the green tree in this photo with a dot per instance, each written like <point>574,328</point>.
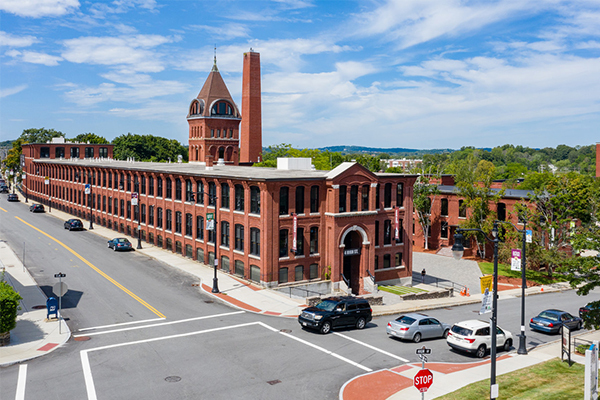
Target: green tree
<point>90,138</point>
<point>9,305</point>
<point>148,148</point>
<point>41,135</point>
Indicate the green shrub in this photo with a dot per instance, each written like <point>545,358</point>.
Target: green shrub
<point>9,305</point>
<point>582,348</point>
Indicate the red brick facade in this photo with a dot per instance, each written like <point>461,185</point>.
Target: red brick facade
<point>251,136</point>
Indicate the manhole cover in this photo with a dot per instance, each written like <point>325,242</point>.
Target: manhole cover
<point>285,330</point>
<point>38,307</point>
<point>209,301</point>
<point>81,338</point>
<point>275,382</point>
<point>173,378</point>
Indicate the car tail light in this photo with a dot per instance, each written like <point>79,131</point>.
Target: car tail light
<point>531,320</point>
<point>550,324</point>
<point>390,324</point>
<point>469,340</point>
<point>449,333</point>
<point>404,329</point>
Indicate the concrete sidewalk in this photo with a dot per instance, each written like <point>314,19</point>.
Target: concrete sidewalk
<point>34,335</point>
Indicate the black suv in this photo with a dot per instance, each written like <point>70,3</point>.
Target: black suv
<point>336,312</point>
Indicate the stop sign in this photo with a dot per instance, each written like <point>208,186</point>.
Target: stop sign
<point>423,380</point>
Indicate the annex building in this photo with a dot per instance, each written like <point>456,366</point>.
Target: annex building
<point>275,226</point>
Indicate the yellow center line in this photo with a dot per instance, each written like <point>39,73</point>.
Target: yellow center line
<point>3,209</point>
<point>92,266</point>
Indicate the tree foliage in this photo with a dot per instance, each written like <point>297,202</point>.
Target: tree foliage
<point>9,305</point>
<point>40,135</point>
<point>90,138</point>
<point>148,148</point>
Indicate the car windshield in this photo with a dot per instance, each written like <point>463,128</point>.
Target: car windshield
<point>547,315</point>
<point>327,305</point>
<point>406,320</point>
<point>461,331</point>
<point>122,240</point>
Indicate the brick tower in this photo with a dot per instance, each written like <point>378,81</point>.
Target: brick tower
<point>214,121</point>
<point>251,130</point>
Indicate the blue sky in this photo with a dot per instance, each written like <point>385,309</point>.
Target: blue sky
<point>405,73</point>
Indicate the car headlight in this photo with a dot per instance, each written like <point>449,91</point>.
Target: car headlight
<point>318,317</point>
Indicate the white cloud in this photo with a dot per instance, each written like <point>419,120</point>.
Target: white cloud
<point>35,58</point>
<point>410,22</point>
<point>99,10</point>
<point>9,40</point>
<point>39,8</point>
<point>227,31</point>
<point>130,52</point>
<point>5,92</point>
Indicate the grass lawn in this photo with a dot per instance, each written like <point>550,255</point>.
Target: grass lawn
<point>487,268</point>
<point>548,381</point>
<point>400,290</point>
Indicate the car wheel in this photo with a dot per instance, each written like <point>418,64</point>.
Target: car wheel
<point>361,323</point>
<point>70,229</point>
<point>108,244</point>
<point>579,325</point>
<point>481,351</point>
<point>326,327</point>
<point>114,248</point>
<point>445,335</point>
<point>507,345</point>
<point>417,337</point>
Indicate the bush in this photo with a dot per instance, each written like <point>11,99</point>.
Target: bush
<point>9,305</point>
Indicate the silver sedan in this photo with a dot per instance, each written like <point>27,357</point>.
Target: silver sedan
<point>416,326</point>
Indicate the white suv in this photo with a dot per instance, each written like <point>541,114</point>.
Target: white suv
<point>473,336</point>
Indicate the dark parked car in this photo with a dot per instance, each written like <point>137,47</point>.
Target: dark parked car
<point>3,189</point>
<point>550,321</point>
<point>74,224</point>
<point>119,244</point>
<point>13,197</point>
<point>36,208</point>
<point>336,312</point>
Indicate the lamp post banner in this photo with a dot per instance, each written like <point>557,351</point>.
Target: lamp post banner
<point>528,236</point>
<point>515,260</point>
<point>295,232</point>
<point>397,224</point>
<point>88,188</point>
<point>486,302</point>
<point>134,199</point>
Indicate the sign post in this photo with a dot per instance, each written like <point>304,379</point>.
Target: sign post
<point>424,378</point>
<point>591,373</point>
<point>60,289</point>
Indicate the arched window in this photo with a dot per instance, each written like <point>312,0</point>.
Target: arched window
<point>222,108</point>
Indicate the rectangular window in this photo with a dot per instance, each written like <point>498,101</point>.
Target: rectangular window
<point>128,182</point>
<point>444,206</point>
<point>178,221</point>
<point>189,192</point>
<point>300,242</point>
<point>255,200</point>
<point>255,241</point>
<point>398,260</point>
<point>151,215</point>
<point>283,275</point>
<point>284,196</point>
<point>376,264</point>
<point>399,195</point>
<point>211,236</point>
<point>342,199</point>
<point>103,153</point>
<point>239,198</point>
<point>225,233</point>
<point>377,197</point>
<point>151,186</point>
<point>109,203</point>
<point>200,193</point>
<point>444,230</point>
<point>143,213</point>
<point>224,195</point>
<point>143,184</point>
<point>314,199</point>
<point>168,188</point>
<point>200,227</point>
<point>386,261</point>
<point>314,240</point>
<point>109,180</point>
<point>365,197</point>
<point>89,152</point>
<point>353,198</point>
<point>239,266</point>
<point>283,243</point>
<point>136,184</point>
<point>313,272</point>
<point>122,208</point>
<point>45,152</point>
<point>128,209</point>
<point>189,222</point>
<point>239,237</point>
<point>159,187</point>
<point>300,200</point>
<point>462,209</point>
<point>178,192</point>
<point>169,220</point>
<point>74,152</point>
<point>103,178</point>
<point>387,232</point>
<point>387,195</point>
<point>212,194</point>
<point>299,273</point>
<point>376,233</point>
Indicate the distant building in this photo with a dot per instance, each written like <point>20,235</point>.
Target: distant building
<point>404,163</point>
<point>275,226</point>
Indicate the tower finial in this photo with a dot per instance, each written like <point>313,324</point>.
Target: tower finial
<point>214,68</point>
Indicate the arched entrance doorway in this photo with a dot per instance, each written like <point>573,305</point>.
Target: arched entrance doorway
<point>351,264</point>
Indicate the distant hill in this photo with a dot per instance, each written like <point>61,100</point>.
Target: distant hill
<point>6,143</point>
<point>378,150</point>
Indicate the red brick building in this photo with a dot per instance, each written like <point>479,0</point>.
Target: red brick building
<point>274,225</point>
<point>448,213</point>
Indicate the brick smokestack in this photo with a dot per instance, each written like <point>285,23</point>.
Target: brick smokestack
<point>251,129</point>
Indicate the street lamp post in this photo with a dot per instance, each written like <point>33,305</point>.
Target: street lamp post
<point>88,191</point>
<point>522,337</point>
<point>211,197</point>
<point>457,253</point>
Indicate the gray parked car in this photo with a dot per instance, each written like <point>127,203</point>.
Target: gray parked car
<point>416,326</point>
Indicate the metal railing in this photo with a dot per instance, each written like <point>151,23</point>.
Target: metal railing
<point>346,281</point>
<point>443,283</point>
<point>371,276</point>
<point>306,292</point>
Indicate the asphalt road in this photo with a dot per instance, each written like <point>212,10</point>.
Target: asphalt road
<point>156,336</point>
